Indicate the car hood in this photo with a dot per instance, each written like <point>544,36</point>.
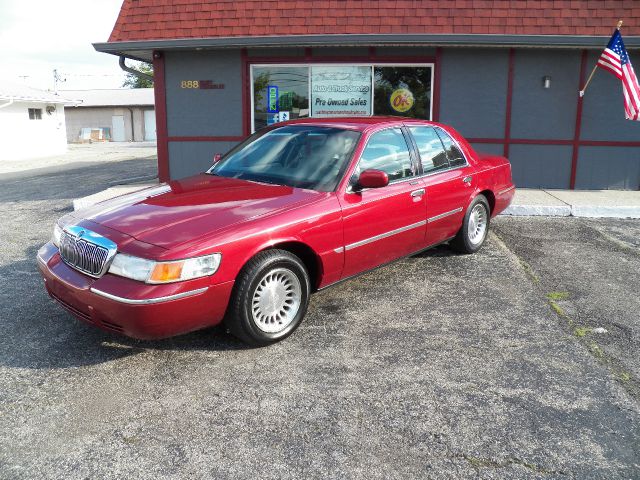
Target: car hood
<point>177,212</point>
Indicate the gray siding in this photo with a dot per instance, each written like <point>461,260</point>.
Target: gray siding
<point>543,113</point>
<point>189,158</point>
<point>602,168</point>
<point>492,148</point>
<point>474,91</point>
<point>196,112</point>
<point>541,166</point>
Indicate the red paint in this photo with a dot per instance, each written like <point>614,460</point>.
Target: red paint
<point>246,89</point>
<point>578,127</point>
<point>507,115</point>
<point>436,84</point>
<point>553,141</point>
<point>204,214</point>
<point>160,94</point>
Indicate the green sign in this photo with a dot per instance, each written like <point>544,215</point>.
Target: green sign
<point>272,99</point>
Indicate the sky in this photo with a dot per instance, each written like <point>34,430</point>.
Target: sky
<point>38,36</point>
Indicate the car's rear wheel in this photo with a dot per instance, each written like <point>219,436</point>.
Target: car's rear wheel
<point>269,299</point>
<point>475,226</point>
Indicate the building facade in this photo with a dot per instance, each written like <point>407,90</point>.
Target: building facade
<point>505,74</point>
<point>121,115</point>
<point>32,122</point>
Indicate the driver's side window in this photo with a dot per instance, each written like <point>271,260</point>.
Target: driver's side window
<point>387,150</point>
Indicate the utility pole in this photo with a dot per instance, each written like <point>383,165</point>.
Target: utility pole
<point>57,78</point>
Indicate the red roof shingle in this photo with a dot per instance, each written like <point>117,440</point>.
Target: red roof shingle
<point>175,19</point>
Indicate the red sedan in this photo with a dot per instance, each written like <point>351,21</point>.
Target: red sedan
<point>295,208</point>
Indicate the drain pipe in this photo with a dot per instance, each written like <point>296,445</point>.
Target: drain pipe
<point>10,102</point>
<point>133,71</point>
<point>133,132</point>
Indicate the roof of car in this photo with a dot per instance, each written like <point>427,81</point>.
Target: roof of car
<point>353,123</point>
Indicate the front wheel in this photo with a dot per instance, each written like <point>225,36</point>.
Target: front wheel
<point>475,227</point>
<point>270,298</point>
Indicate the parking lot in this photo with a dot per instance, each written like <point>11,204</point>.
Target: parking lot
<point>439,366</point>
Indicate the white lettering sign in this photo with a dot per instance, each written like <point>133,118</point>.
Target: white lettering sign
<point>340,91</point>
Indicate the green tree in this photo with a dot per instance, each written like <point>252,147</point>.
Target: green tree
<point>133,81</point>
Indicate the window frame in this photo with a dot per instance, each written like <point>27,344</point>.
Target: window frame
<point>414,159</point>
<point>417,151</point>
<point>37,113</point>
<point>305,63</point>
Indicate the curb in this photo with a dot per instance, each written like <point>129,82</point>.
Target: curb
<point>585,211</point>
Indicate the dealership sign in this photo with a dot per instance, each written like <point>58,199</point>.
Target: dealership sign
<point>340,91</point>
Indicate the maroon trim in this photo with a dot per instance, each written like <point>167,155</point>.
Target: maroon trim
<point>576,134</point>
<point>332,59</point>
<point>507,115</point>
<point>555,141</point>
<point>246,92</point>
<point>436,85</point>
<point>606,143</point>
<point>159,91</point>
<point>204,138</point>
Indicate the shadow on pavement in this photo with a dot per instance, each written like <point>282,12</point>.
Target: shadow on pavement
<point>39,334</point>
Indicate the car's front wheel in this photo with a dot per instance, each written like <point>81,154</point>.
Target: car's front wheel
<point>269,299</point>
<point>475,226</point>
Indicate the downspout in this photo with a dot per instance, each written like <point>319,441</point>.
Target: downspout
<point>133,135</point>
<point>133,71</point>
<point>10,102</point>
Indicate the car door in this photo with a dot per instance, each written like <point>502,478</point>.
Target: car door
<point>382,224</point>
<point>448,181</point>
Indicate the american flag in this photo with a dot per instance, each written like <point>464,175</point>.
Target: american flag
<point>615,59</point>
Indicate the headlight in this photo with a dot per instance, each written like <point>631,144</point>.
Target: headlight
<point>57,233</point>
<point>164,272</point>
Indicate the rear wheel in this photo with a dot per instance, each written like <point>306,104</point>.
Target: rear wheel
<point>270,298</point>
<point>475,227</point>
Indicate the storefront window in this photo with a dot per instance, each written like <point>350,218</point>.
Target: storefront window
<point>402,91</point>
<point>279,93</point>
<point>282,92</point>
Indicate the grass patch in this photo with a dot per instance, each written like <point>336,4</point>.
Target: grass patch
<point>582,331</point>
<point>557,296</point>
<point>529,270</point>
<point>596,350</point>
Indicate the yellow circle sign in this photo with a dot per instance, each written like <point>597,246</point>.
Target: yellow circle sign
<point>401,100</point>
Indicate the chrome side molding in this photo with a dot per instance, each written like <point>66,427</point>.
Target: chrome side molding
<point>147,301</point>
<point>445,214</point>
<point>385,235</point>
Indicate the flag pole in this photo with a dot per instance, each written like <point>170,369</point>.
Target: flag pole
<point>596,67</point>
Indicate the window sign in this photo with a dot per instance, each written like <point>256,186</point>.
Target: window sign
<point>340,90</point>
<point>272,98</point>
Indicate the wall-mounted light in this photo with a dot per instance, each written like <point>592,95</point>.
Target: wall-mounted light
<point>546,81</point>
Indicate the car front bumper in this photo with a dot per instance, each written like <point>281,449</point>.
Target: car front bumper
<point>134,308</point>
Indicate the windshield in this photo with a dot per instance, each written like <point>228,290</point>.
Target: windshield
<point>303,156</point>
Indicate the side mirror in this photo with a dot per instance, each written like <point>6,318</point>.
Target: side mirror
<point>373,179</point>
<point>217,157</point>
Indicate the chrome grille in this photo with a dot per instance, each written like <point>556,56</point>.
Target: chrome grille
<point>86,251</point>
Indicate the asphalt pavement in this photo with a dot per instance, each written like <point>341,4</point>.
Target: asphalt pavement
<point>439,366</point>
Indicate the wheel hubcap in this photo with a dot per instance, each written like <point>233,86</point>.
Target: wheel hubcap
<point>477,224</point>
<point>276,300</point>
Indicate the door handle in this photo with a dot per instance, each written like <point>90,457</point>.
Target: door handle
<point>417,193</point>
<point>467,179</point>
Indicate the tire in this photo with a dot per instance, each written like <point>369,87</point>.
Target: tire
<point>472,235</point>
<point>254,315</point>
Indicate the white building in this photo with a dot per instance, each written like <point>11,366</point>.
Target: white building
<point>31,122</point>
<point>122,115</point>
